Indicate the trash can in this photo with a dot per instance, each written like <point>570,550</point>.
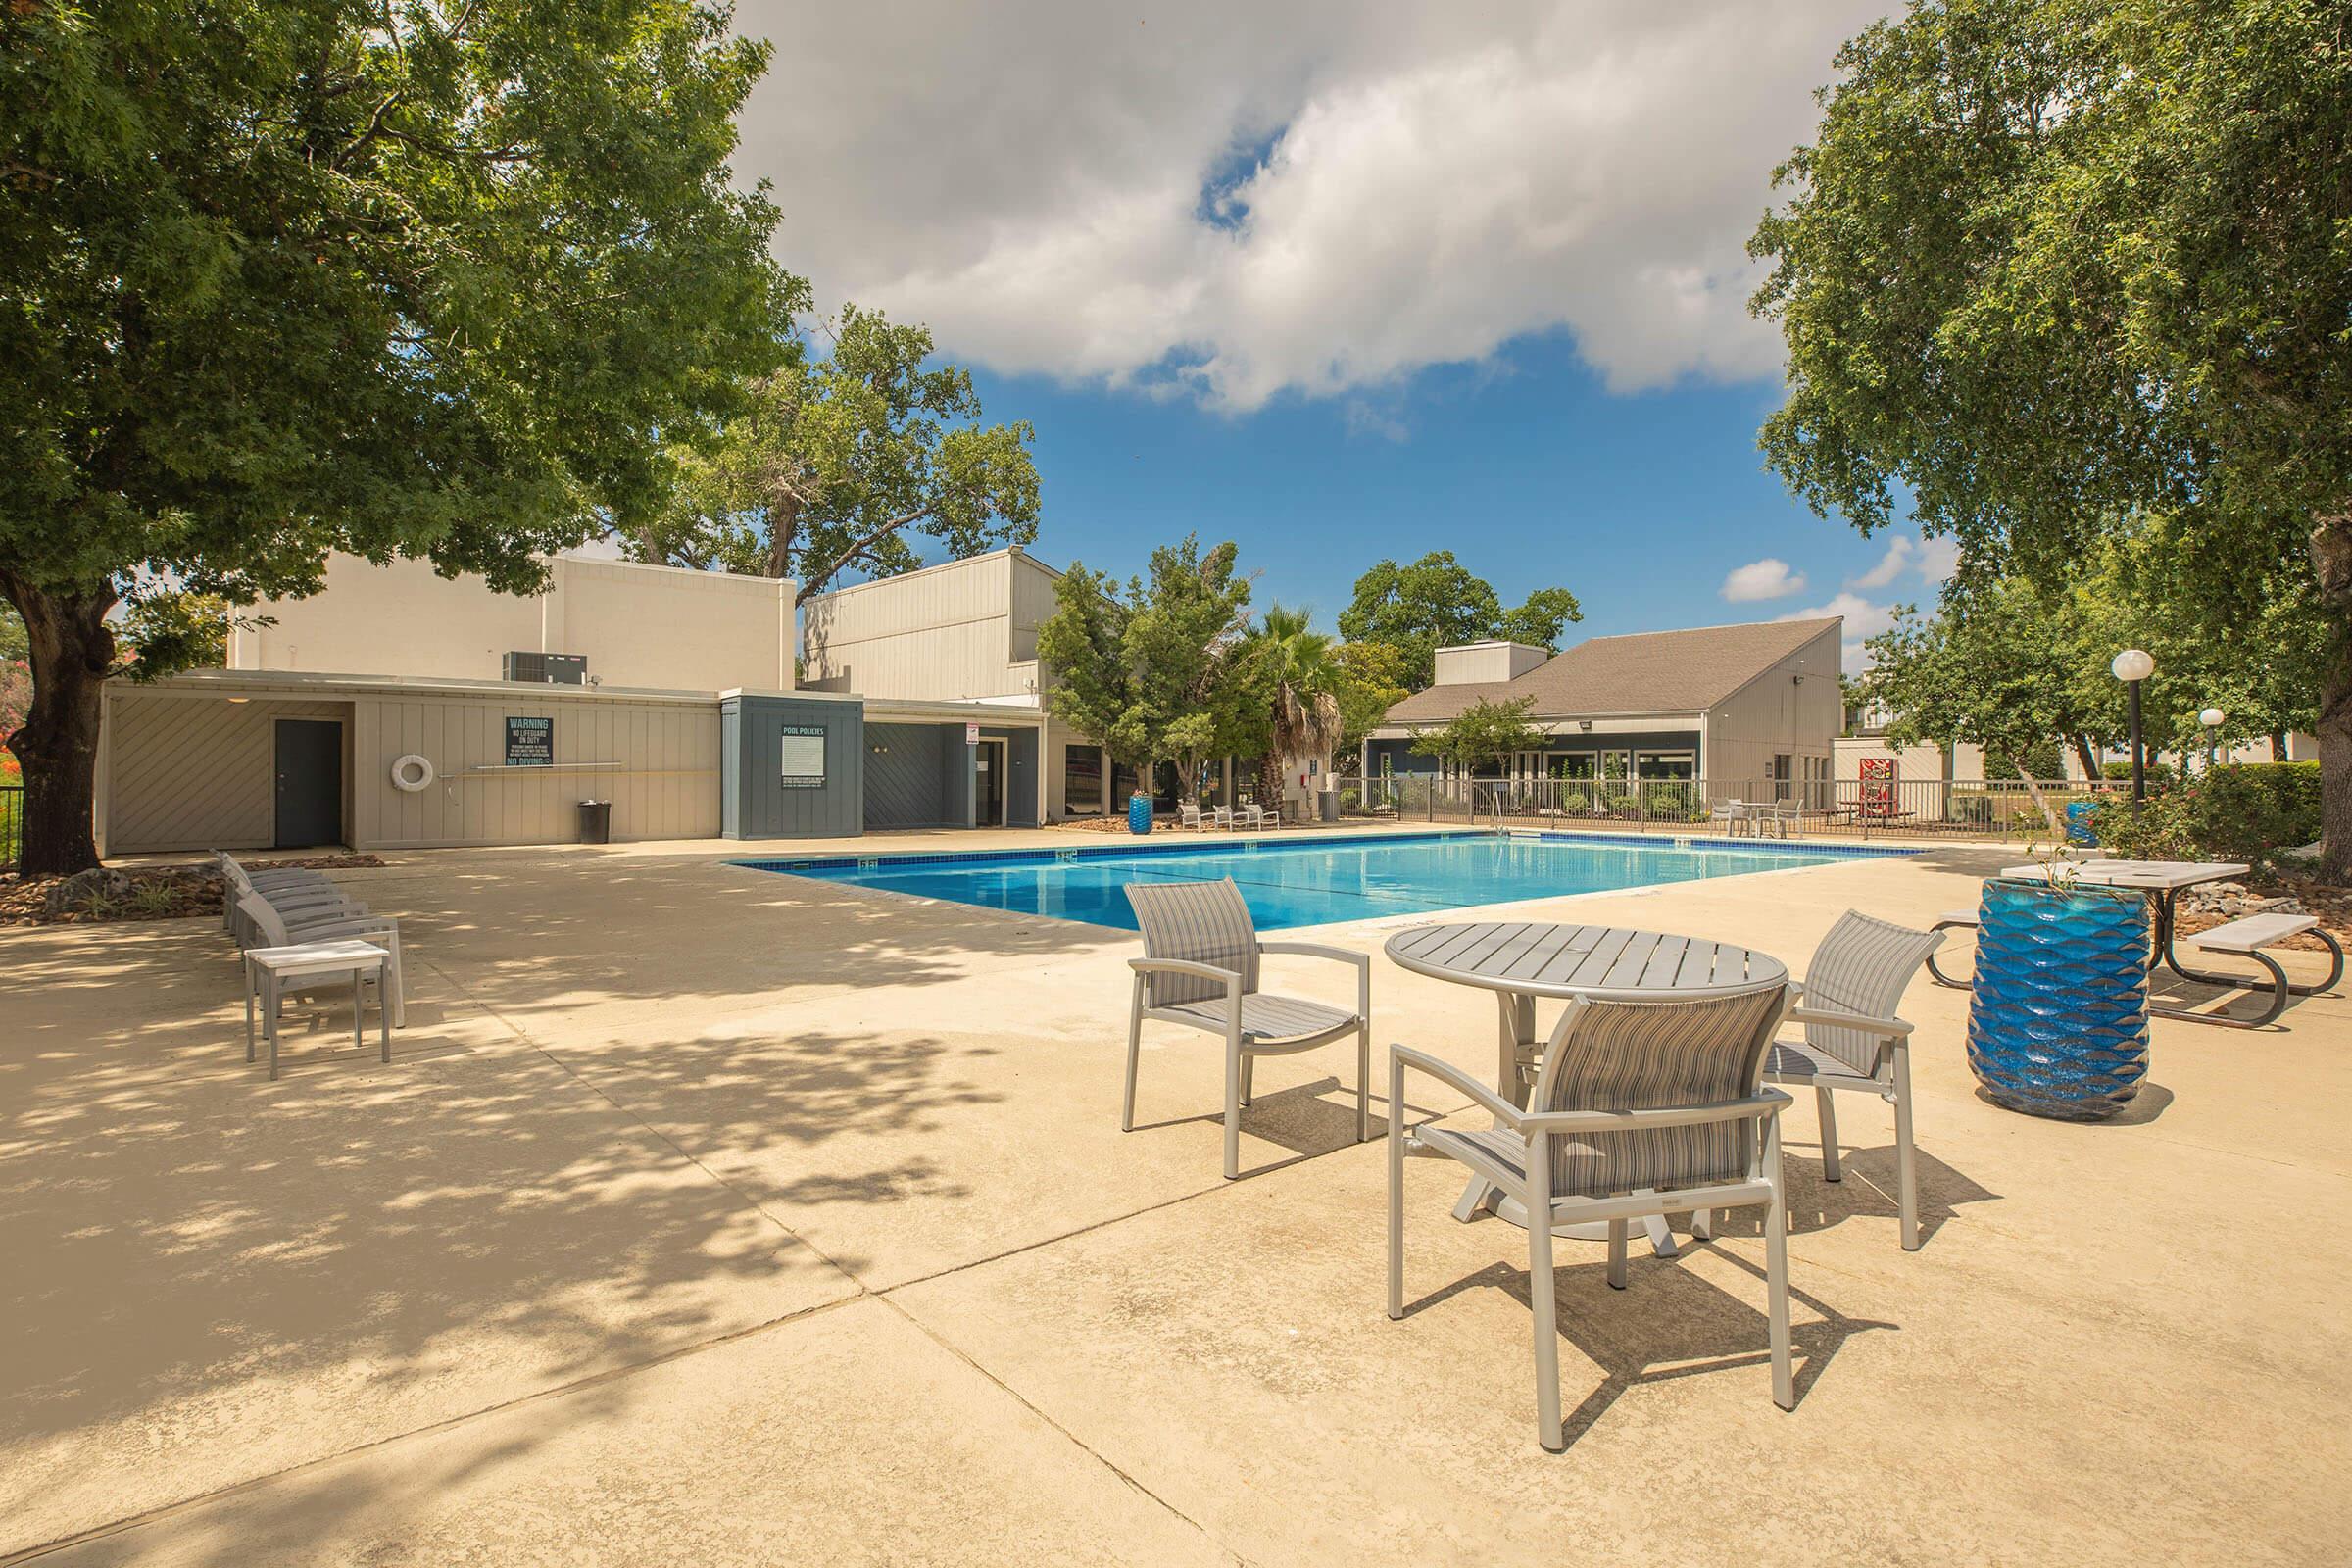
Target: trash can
<point>1327,804</point>
<point>596,822</point>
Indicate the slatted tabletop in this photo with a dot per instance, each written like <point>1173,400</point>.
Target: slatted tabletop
<point>1606,963</point>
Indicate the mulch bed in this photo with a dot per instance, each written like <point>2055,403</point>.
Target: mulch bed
<point>155,893</point>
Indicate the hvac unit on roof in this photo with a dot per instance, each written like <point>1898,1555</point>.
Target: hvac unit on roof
<point>547,670</point>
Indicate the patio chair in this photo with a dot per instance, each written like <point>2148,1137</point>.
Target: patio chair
<point>1200,969</point>
<point>1853,1040</point>
<point>1639,1109</point>
<point>1188,814</point>
<point>313,899</point>
<point>265,924</point>
<point>1727,817</point>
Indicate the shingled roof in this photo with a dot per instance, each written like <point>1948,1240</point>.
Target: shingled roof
<point>1643,673</point>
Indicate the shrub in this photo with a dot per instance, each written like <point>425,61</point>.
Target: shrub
<point>1576,801</point>
<point>2248,812</point>
<point>1621,805</point>
<point>2158,774</point>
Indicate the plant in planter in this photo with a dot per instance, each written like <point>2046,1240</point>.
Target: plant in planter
<point>2058,1012</point>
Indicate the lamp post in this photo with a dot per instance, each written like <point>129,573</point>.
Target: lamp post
<point>2211,718</point>
<point>2131,666</point>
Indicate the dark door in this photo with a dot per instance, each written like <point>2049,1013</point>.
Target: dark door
<point>989,807</point>
<point>310,782</point>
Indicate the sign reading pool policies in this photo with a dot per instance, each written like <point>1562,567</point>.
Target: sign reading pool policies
<point>803,749</point>
<point>530,742</point>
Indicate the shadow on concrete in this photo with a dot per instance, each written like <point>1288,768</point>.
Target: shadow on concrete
<point>1668,1323</point>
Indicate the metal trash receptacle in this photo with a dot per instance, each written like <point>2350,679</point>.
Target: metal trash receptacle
<point>596,822</point>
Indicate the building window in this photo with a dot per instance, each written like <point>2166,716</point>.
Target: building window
<point>1081,778</point>
<point>1665,765</point>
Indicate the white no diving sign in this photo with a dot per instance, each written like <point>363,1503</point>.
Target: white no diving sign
<point>971,734</point>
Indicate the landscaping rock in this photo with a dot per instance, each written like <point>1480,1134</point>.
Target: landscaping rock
<point>76,894</point>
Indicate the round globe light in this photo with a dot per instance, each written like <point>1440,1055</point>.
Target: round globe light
<point>2211,718</point>
<point>2132,665</point>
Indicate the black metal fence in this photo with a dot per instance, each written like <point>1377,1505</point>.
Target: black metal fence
<point>12,827</point>
<point>1996,808</point>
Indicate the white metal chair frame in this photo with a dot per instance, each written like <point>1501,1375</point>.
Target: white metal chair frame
<point>1757,1115</point>
<point>1242,1049</point>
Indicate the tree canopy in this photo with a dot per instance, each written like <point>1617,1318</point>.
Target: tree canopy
<point>1482,734</point>
<point>2052,266</point>
<point>286,276</point>
<point>1435,602</point>
<point>839,464</point>
<point>2008,661</point>
<point>1154,671</point>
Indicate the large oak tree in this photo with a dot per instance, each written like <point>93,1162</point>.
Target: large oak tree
<point>2054,264</point>
<point>422,277</point>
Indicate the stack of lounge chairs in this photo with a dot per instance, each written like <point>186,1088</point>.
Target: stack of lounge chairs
<point>280,906</point>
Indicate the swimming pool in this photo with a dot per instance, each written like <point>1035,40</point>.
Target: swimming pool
<point>1313,879</point>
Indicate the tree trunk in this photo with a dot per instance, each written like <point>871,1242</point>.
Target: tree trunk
<point>2084,755</point>
<point>2332,555</point>
<point>72,649</point>
<point>2278,746</point>
<point>2050,812</point>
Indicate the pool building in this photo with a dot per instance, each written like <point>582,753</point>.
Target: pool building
<point>397,708</point>
<point>1753,710</point>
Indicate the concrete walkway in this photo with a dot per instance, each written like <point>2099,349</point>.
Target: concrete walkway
<point>713,1216</point>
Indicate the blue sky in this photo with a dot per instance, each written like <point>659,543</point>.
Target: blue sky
<point>1344,279</point>
<point>1527,467</point>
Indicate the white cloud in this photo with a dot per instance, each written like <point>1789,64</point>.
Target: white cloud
<point>1864,618</point>
<point>1929,560</point>
<point>1237,200</point>
<point>1769,578</point>
<point>1900,551</point>
<point>1938,559</point>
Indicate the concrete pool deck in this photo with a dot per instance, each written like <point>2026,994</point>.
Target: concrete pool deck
<point>708,1215</point>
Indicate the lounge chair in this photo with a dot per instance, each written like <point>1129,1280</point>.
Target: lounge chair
<point>1639,1109</point>
<point>263,922</point>
<point>1188,814</point>
<point>1853,1040</point>
<point>1200,969</point>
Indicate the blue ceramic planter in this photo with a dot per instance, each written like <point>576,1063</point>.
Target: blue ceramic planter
<point>2058,1021</point>
<point>1138,814</point>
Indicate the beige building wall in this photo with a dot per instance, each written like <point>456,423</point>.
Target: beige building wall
<point>638,626</point>
<point>963,630</point>
<point>181,774</point>
<point>188,767</point>
<point>1796,706</point>
<point>1468,662</point>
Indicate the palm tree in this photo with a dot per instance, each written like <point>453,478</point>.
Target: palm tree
<point>1300,680</point>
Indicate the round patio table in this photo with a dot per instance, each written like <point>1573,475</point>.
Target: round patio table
<point>1520,961</point>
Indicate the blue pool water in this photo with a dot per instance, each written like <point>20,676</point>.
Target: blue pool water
<point>1308,880</point>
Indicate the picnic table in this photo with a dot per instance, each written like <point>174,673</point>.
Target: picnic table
<point>1520,961</point>
<point>2163,882</point>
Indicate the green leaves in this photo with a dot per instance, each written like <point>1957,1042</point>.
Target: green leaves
<point>2053,266</point>
<point>1482,734</point>
<point>1155,671</point>
<point>839,465</point>
<point>1435,602</point>
<point>295,276</point>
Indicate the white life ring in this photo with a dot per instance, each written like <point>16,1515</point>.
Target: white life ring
<point>412,774</point>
